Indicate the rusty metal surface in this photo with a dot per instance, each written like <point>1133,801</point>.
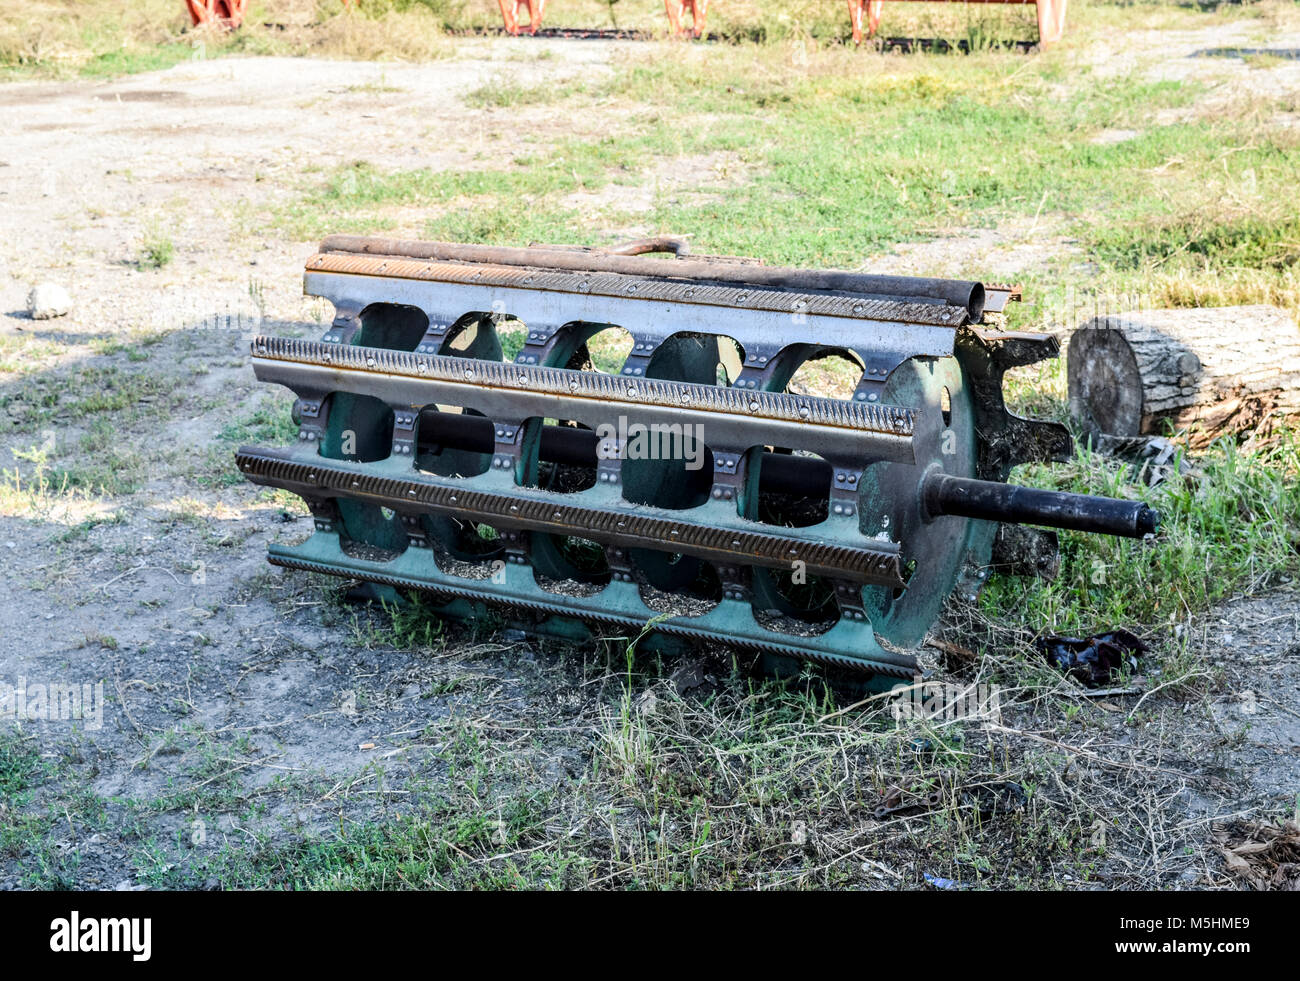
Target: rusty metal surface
<point>998,295</point>
<point>625,286</point>
<point>907,290</point>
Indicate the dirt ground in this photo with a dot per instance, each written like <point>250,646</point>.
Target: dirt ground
<point>164,593</point>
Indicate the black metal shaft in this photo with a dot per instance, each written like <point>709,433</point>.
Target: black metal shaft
<point>993,501</point>
<point>784,473</point>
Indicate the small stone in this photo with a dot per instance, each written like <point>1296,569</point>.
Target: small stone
<point>647,703</point>
<point>47,301</point>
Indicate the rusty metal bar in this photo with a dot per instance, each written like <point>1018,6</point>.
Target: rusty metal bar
<point>907,289</point>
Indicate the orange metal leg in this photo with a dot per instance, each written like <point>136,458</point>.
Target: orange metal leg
<point>699,11</point>
<point>856,9</point>
<point>674,9</point>
<point>873,16</point>
<point>535,8</point>
<point>868,10</point>
<point>510,14</point>
<point>1051,21</point>
<point>677,11</point>
<point>227,13</point>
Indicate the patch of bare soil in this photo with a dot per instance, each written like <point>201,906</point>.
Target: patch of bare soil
<point>683,182</point>
<point>162,593</point>
<point>1000,254</point>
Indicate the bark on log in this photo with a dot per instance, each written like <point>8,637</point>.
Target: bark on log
<point>1210,371</point>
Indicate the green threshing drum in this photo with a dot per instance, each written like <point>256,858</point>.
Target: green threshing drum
<point>690,485</point>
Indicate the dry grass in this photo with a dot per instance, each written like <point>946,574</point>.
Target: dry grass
<point>60,37</point>
<point>623,782</point>
<point>1267,856</point>
<point>66,34</point>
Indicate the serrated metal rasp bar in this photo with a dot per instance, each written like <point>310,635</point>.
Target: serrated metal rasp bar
<point>634,526</point>
<point>870,431</point>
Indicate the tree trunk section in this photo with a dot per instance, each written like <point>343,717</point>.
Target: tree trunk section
<point>1209,371</point>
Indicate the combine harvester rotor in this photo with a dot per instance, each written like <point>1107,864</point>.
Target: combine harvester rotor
<point>690,487</point>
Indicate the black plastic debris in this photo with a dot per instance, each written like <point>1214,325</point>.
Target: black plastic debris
<point>1092,660</point>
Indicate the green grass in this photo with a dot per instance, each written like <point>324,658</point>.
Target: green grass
<point>746,789</point>
<point>270,425</point>
<point>24,354</point>
<point>26,829</point>
<point>842,164</point>
<point>82,529</point>
<point>108,468</point>
<point>123,61</point>
<point>503,93</point>
<point>1202,240</point>
<point>20,767</point>
<point>1231,527</point>
<point>434,845</point>
<point>751,785</point>
<point>90,390</point>
<point>754,786</point>
<point>157,251</point>
<point>107,457</point>
<point>497,200</point>
<point>104,463</point>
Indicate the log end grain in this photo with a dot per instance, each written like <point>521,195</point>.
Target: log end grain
<point>1105,384</point>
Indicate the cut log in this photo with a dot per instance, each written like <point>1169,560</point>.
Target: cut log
<point>1209,371</point>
